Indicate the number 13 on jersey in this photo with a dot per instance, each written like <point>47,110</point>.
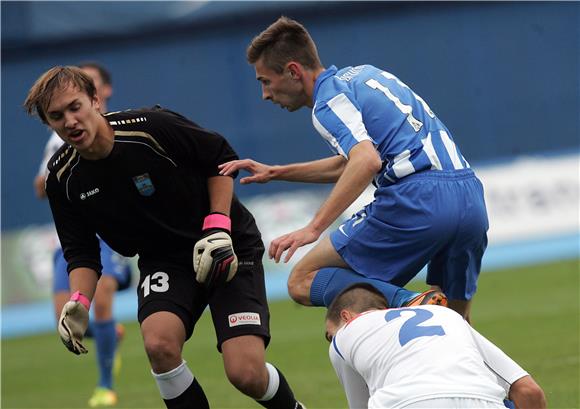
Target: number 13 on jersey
<point>158,282</point>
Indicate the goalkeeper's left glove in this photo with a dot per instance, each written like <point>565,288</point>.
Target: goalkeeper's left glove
<point>214,260</point>
<point>73,323</point>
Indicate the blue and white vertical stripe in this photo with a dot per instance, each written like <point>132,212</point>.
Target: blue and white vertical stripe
<point>361,103</point>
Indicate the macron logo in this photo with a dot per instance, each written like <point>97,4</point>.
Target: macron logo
<point>244,318</point>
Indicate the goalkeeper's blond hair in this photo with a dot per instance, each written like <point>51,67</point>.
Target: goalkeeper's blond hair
<point>56,78</point>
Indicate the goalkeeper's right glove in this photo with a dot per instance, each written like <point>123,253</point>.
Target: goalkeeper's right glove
<point>214,260</point>
<point>73,322</point>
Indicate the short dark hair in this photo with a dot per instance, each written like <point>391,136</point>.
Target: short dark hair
<point>56,78</point>
<point>358,297</point>
<point>285,40</point>
<point>103,72</point>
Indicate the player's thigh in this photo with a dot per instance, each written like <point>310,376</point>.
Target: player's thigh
<point>321,255</point>
<point>170,287</point>
<point>240,307</point>
<point>163,325</point>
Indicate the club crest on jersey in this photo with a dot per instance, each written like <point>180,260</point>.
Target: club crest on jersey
<point>144,184</point>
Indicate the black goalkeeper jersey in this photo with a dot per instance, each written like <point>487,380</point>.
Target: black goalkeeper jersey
<point>148,197</point>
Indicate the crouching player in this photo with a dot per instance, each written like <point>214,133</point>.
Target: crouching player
<point>419,357</point>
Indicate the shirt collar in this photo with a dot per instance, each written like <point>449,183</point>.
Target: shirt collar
<point>329,72</point>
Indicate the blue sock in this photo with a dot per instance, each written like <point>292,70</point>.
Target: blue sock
<point>330,281</point>
<point>106,343</point>
<point>402,297</point>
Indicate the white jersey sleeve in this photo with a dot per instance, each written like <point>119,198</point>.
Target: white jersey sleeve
<point>355,387</point>
<point>505,369</point>
<point>52,145</point>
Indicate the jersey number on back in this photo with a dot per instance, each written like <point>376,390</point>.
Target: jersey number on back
<point>405,109</point>
<point>411,328</point>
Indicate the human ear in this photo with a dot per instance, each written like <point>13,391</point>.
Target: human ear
<point>294,70</point>
<point>345,315</point>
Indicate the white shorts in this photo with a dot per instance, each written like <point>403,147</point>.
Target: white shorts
<point>451,403</point>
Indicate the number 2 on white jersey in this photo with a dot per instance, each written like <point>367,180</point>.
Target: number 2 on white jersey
<point>411,328</point>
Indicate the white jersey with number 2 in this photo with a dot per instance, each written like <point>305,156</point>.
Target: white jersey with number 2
<point>397,357</point>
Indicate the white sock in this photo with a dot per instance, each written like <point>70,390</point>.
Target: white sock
<point>273,382</point>
<point>173,383</point>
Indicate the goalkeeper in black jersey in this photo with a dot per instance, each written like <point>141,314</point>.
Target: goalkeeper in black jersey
<point>147,182</point>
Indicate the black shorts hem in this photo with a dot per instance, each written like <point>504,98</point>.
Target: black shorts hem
<point>258,331</point>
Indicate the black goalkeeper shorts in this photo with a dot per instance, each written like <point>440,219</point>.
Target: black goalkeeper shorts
<point>238,307</point>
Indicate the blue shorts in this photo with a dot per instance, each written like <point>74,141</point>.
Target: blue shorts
<point>434,217</point>
<point>114,265</point>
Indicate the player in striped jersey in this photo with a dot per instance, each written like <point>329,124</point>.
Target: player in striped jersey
<point>419,357</point>
<point>429,206</point>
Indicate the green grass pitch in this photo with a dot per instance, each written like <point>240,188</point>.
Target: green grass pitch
<point>532,313</point>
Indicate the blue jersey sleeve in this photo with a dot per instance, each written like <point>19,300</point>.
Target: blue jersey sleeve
<point>339,121</point>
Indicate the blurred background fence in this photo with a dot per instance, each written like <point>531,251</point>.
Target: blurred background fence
<point>503,76</point>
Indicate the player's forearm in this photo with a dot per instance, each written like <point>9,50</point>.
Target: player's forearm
<point>327,170</point>
<point>357,175</point>
<point>83,279</point>
<point>221,191</point>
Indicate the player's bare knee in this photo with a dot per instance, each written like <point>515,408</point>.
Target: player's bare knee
<point>297,292</point>
<point>299,284</point>
<point>250,378</point>
<point>163,353</point>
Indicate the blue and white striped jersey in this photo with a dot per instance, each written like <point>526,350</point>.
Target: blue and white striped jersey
<point>360,103</point>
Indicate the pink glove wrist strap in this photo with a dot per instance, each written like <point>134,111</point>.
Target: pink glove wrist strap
<point>78,296</point>
<point>217,221</point>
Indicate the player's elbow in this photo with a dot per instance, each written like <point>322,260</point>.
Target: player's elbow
<point>376,164</point>
<point>536,397</point>
<point>371,163</point>
<point>527,394</point>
